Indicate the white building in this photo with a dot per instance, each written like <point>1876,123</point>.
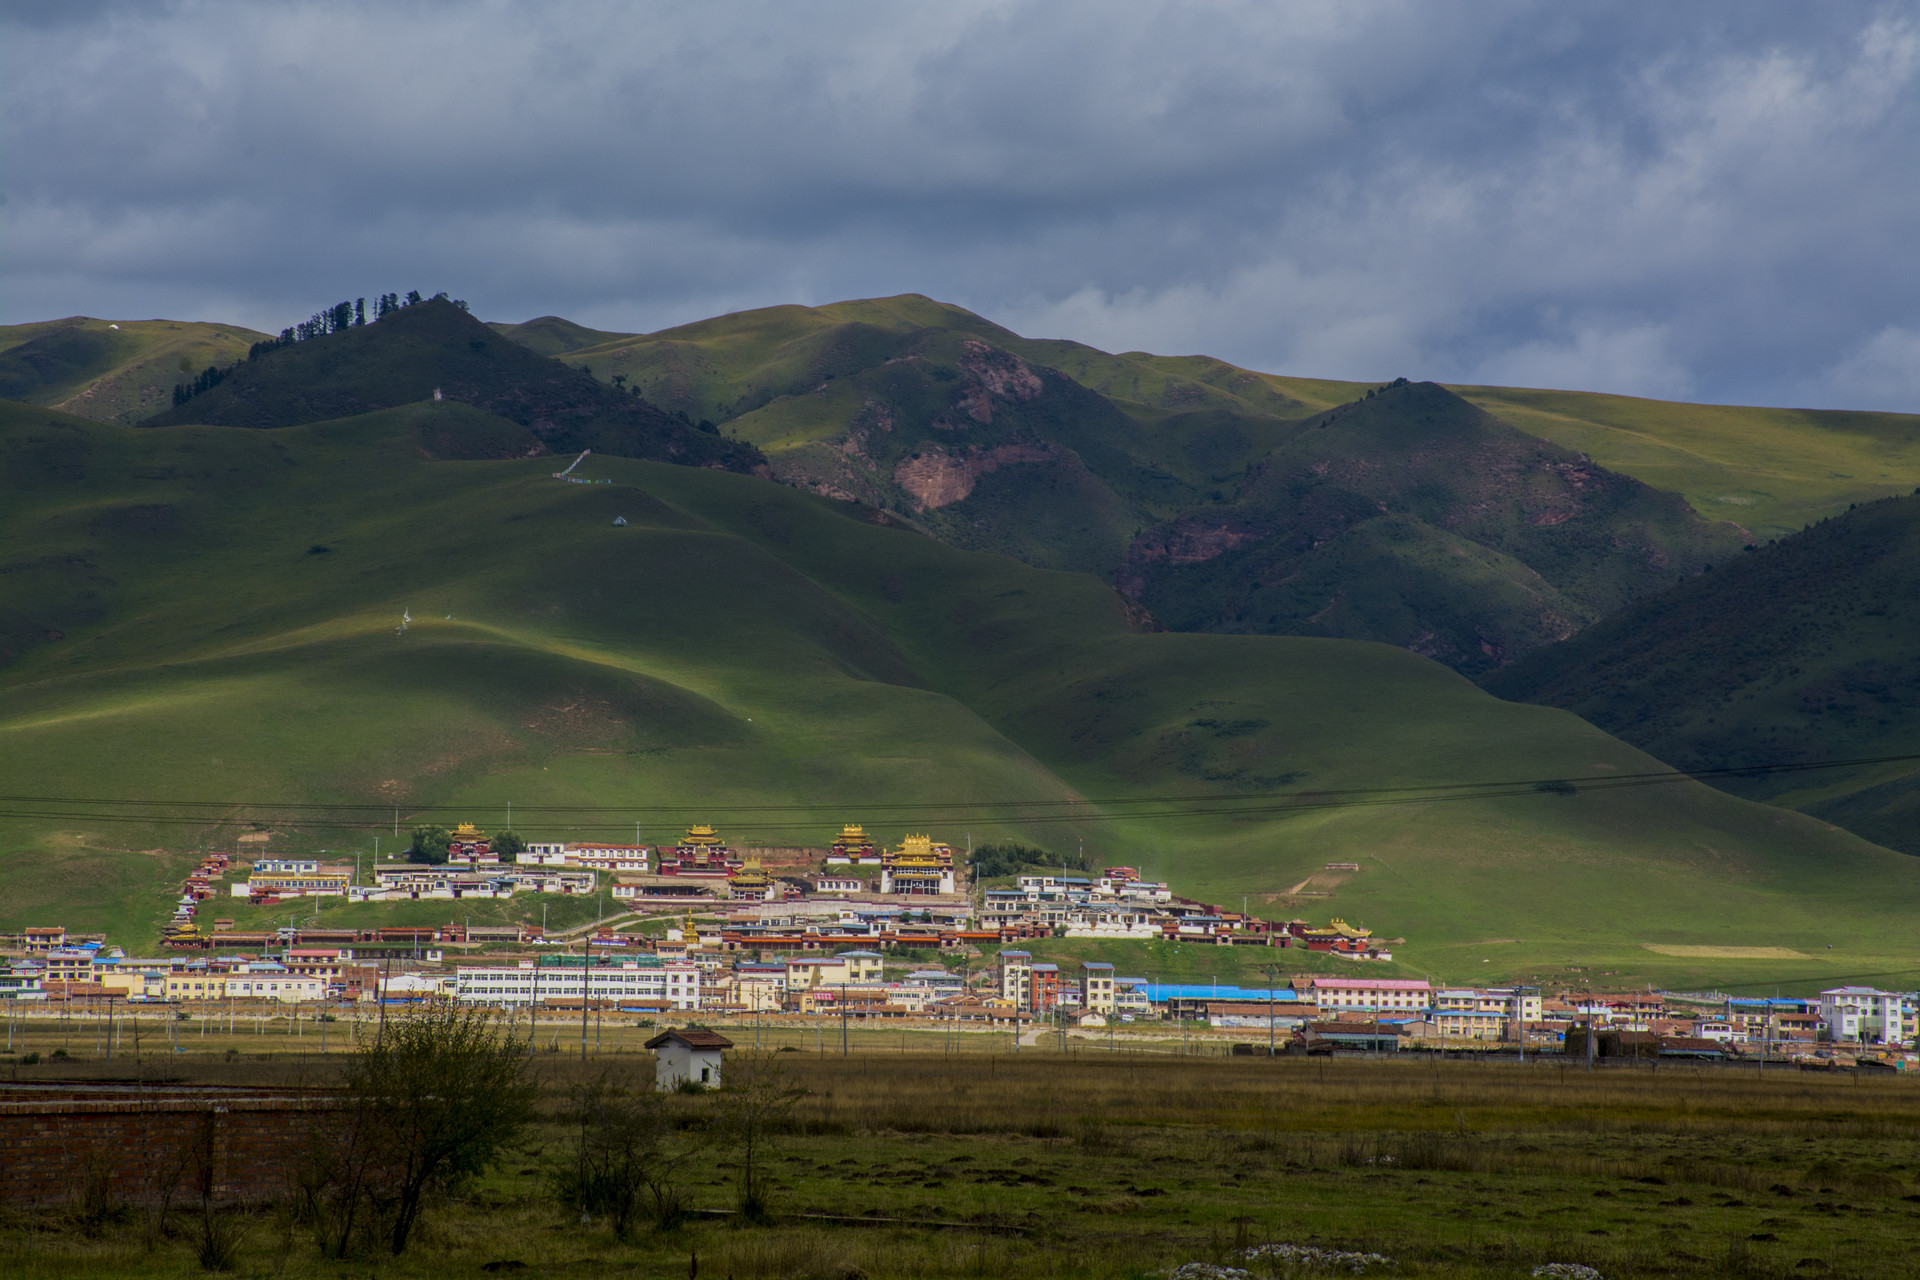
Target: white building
<point>267,980</point>
<point>692,1055</point>
<point>1016,971</point>
<point>1865,1015</point>
<point>675,984</point>
<point>594,857</point>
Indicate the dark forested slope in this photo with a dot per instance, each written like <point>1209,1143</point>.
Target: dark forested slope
<point>1803,651</point>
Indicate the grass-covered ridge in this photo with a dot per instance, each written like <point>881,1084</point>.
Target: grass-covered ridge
<point>434,350</point>
<point>1773,471</point>
<point>112,371</point>
<point>1795,652</point>
<point>213,613</point>
<point>1220,499</point>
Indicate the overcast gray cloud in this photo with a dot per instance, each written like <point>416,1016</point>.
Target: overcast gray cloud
<point>1711,201</point>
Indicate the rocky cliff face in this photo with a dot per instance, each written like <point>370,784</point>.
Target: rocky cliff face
<point>937,477</point>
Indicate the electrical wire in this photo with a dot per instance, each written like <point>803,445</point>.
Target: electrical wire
<point>1034,811</point>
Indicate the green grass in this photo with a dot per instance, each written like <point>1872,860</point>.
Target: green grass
<point>550,335</point>
<point>1795,653</point>
<point>1125,1165</point>
<point>1771,470</point>
<point>739,646</point>
<point>1207,492</point>
<point>112,372</point>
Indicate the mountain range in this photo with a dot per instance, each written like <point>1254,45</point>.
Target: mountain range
<point>982,583</point>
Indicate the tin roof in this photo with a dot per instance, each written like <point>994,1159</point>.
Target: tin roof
<point>693,1038</point>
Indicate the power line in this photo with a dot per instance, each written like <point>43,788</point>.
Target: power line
<point>1319,797</point>
<point>1024,812</point>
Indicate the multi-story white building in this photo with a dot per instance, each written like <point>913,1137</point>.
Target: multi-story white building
<point>22,981</point>
<point>267,980</point>
<point>674,983</point>
<point>1865,1015</point>
<point>595,857</point>
<point>1016,970</point>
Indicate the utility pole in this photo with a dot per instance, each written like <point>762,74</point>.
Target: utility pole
<point>586,973</point>
<point>533,1010</point>
<point>1272,971</point>
<point>843,1019</point>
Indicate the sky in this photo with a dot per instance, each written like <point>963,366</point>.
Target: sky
<point>1709,201</point>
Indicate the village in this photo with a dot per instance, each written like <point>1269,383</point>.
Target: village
<point>859,935</point>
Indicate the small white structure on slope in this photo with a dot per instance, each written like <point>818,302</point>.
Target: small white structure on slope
<point>681,1056</point>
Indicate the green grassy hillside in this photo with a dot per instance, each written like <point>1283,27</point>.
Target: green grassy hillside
<point>1416,518</point>
<point>436,349</point>
<point>1220,499</point>
<point>1773,471</point>
<point>780,663</point>
<point>551,336</point>
<point>1797,652</point>
<point>111,371</point>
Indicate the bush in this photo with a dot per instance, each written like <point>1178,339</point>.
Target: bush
<point>755,1104</point>
<point>627,1149</point>
<point>430,1102</point>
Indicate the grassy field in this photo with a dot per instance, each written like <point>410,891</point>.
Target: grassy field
<point>1126,1164</point>
<point>227,605</point>
<point>113,372</point>
<point>1799,652</point>
<point>1773,471</point>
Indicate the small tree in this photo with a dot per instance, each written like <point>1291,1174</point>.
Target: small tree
<point>628,1149</point>
<point>430,1102</point>
<point>754,1104</point>
<point>429,845</point>
<point>507,844</point>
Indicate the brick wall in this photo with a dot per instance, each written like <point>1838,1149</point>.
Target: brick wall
<point>144,1143</point>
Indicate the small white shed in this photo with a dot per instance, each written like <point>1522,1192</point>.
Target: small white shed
<point>680,1056</point>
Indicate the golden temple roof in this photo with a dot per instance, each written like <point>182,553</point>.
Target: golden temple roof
<point>921,851</point>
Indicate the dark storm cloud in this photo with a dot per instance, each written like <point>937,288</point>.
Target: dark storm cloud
<point>1704,200</point>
